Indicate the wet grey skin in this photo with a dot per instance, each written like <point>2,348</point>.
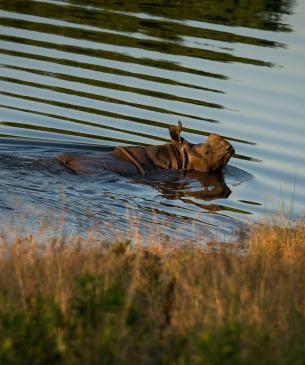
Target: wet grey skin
<point>178,154</point>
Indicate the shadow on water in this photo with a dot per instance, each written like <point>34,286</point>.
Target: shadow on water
<point>92,76</point>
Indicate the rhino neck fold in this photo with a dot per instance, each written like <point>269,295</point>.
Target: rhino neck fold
<point>132,159</point>
<point>181,156</point>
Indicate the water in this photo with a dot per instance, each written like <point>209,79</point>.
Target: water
<point>84,75</point>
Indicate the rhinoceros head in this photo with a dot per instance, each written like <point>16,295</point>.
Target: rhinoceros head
<point>202,157</point>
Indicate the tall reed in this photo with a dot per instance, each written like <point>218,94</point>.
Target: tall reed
<point>80,300</point>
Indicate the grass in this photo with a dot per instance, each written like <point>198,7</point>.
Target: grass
<point>78,300</point>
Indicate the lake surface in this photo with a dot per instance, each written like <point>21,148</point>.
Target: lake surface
<point>89,75</point>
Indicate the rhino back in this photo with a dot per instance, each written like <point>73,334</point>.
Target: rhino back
<point>92,163</point>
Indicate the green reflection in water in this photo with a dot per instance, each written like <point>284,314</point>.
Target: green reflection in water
<point>109,85</point>
<point>110,70</point>
<point>115,56</point>
<point>102,112</point>
<point>173,49</point>
<point>63,132</point>
<point>258,14</point>
<point>84,122</point>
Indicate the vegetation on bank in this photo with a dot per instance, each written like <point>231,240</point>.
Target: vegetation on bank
<point>81,301</point>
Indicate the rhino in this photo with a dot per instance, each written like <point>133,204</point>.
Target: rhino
<point>178,154</point>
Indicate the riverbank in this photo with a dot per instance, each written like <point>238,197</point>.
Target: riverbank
<point>82,301</point>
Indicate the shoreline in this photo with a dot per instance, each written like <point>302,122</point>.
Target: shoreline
<point>80,300</point>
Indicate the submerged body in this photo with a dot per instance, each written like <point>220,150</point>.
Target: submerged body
<point>179,154</point>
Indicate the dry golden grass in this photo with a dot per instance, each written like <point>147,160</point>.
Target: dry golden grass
<point>249,303</point>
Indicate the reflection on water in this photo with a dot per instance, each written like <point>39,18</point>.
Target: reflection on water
<point>109,73</point>
<point>177,185</point>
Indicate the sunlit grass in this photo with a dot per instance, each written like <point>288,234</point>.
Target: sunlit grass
<point>80,300</point>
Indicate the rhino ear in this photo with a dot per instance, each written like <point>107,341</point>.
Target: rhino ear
<point>174,131</point>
